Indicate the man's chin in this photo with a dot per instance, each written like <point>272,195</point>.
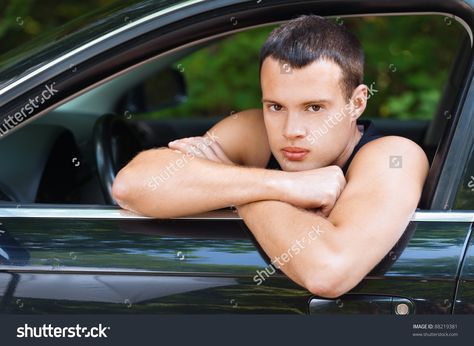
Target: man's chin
<point>295,166</point>
<point>298,166</point>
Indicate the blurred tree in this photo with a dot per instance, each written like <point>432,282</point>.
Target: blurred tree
<point>407,62</point>
<point>408,58</point>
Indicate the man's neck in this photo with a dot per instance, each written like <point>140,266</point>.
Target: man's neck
<point>342,159</point>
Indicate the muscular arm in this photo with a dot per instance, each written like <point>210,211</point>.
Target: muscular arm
<point>171,183</point>
<point>330,256</point>
<point>166,183</point>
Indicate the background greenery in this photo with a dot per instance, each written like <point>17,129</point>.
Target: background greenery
<point>407,59</point>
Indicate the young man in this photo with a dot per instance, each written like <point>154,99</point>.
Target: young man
<point>342,193</point>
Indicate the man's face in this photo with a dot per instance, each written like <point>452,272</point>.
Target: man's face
<point>308,121</point>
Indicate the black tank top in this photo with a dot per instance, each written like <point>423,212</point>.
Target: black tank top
<point>370,133</point>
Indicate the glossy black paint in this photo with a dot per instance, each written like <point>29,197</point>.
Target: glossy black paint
<point>201,266</point>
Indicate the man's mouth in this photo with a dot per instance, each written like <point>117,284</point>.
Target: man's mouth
<point>294,153</point>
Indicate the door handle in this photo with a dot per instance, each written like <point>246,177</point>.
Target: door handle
<point>362,304</point>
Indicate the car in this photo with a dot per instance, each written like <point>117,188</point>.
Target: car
<point>71,115</point>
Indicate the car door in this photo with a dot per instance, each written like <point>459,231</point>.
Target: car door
<point>119,263</point>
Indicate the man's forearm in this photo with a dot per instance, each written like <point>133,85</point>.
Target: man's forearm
<point>297,241</point>
<point>166,183</point>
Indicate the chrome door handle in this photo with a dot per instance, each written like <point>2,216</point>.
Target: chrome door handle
<point>362,304</point>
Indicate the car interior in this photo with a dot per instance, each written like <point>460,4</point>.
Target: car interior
<point>72,154</point>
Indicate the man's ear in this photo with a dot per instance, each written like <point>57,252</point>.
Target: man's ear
<point>359,100</point>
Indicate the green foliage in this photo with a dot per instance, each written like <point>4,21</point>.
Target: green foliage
<point>223,77</point>
<point>408,58</point>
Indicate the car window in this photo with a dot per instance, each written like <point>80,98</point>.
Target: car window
<point>410,89</point>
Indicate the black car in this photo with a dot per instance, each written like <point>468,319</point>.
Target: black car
<point>69,120</point>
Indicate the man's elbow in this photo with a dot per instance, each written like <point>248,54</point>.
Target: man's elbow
<point>332,283</point>
<point>125,187</point>
<point>324,288</point>
<point>130,195</point>
<point>121,190</point>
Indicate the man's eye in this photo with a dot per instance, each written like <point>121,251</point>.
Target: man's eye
<point>314,108</point>
<point>275,108</point>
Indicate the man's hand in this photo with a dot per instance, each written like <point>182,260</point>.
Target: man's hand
<point>202,147</point>
<point>314,189</point>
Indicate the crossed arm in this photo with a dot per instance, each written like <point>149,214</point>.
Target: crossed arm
<point>360,222</point>
<point>371,214</point>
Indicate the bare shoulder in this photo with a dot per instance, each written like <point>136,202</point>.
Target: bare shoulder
<point>395,158</point>
<point>243,137</point>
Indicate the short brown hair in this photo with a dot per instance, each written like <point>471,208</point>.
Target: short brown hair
<point>309,38</point>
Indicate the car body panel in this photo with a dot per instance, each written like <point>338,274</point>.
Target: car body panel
<point>210,261</point>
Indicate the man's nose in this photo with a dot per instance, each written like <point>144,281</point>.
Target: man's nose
<point>294,127</point>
